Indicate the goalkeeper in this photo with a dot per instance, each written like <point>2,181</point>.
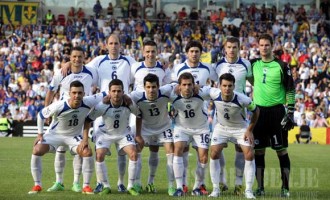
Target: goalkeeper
<point>273,88</point>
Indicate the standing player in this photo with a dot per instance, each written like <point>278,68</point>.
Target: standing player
<point>273,87</point>
<point>65,130</point>
<point>231,123</point>
<point>115,130</point>
<point>156,126</point>
<point>87,76</point>
<point>150,65</point>
<point>190,126</point>
<point>201,72</point>
<point>241,69</point>
<point>109,67</point>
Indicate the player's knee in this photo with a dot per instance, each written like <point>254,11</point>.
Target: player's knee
<point>215,154</point>
<point>249,156</point>
<point>259,152</point>
<point>99,157</point>
<point>86,152</point>
<point>133,156</point>
<point>40,150</point>
<point>281,152</point>
<point>203,158</point>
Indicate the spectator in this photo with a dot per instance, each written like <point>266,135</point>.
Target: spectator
<point>304,132</point>
<point>80,13</point>
<point>49,18</point>
<point>71,13</point>
<point>97,9</point>
<point>110,10</point>
<point>320,121</point>
<point>182,14</point>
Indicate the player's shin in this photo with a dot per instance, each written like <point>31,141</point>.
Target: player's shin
<point>36,169</point>
<point>77,166</point>
<point>59,164</point>
<point>178,171</point>
<point>87,169</point>
<point>249,170</point>
<point>132,172</point>
<point>121,163</point>
<point>102,173</point>
<point>169,169</point>
<point>153,164</point>
<point>239,165</point>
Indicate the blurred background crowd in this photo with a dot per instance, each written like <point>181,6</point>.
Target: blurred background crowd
<point>31,54</point>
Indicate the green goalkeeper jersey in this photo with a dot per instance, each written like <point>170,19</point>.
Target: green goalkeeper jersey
<point>273,83</point>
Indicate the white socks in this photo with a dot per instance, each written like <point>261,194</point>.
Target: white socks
<point>36,169</point>
<point>199,174</point>
<point>132,169</point>
<point>77,166</point>
<point>239,165</point>
<point>169,169</point>
<point>59,164</point>
<point>185,157</point>
<point>102,173</point>
<point>87,168</point>
<point>214,173</point>
<point>222,162</point>
<point>249,171</point>
<point>153,164</point>
<point>138,169</point>
<point>178,171</point>
<point>121,163</point>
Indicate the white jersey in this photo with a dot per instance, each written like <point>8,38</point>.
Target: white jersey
<point>108,69</point>
<point>139,71</point>
<point>154,114</point>
<point>87,77</point>
<point>190,112</point>
<point>68,121</point>
<point>115,119</point>
<point>232,114</point>
<point>241,70</point>
<point>201,73</point>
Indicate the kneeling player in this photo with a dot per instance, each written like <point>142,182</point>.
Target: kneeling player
<point>231,123</point>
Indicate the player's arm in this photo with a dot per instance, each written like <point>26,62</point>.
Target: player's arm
<point>138,137</point>
<point>254,118</point>
<point>42,115</point>
<point>87,126</point>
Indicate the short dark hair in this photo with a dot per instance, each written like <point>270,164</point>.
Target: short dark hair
<point>77,48</point>
<point>151,78</point>
<point>232,40</point>
<point>227,77</point>
<point>149,43</point>
<point>266,36</point>
<point>116,82</point>
<point>76,84</point>
<point>194,43</point>
<point>186,75</point>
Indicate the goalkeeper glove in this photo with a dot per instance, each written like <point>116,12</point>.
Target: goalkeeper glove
<point>287,121</point>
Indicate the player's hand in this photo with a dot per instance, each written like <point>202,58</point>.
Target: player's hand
<point>287,121</point>
<point>139,143</point>
<point>39,138</point>
<point>48,121</point>
<point>83,144</point>
<point>127,100</point>
<point>65,68</point>
<point>196,89</point>
<point>248,136</point>
<point>106,99</point>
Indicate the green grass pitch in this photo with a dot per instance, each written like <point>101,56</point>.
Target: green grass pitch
<point>310,179</point>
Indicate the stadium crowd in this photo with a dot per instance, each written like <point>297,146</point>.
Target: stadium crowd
<point>31,54</point>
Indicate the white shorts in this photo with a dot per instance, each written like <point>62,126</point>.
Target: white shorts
<point>221,135</point>
<point>158,138</point>
<point>103,140</point>
<point>198,137</point>
<point>68,142</point>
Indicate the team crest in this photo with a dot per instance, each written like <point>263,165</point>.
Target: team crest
<point>256,142</point>
<point>74,116</point>
<point>114,67</point>
<point>153,106</point>
<point>188,106</point>
<point>231,70</point>
<point>264,70</point>
<point>99,142</point>
<point>226,110</point>
<point>195,76</point>
<point>215,139</point>
<point>117,116</point>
